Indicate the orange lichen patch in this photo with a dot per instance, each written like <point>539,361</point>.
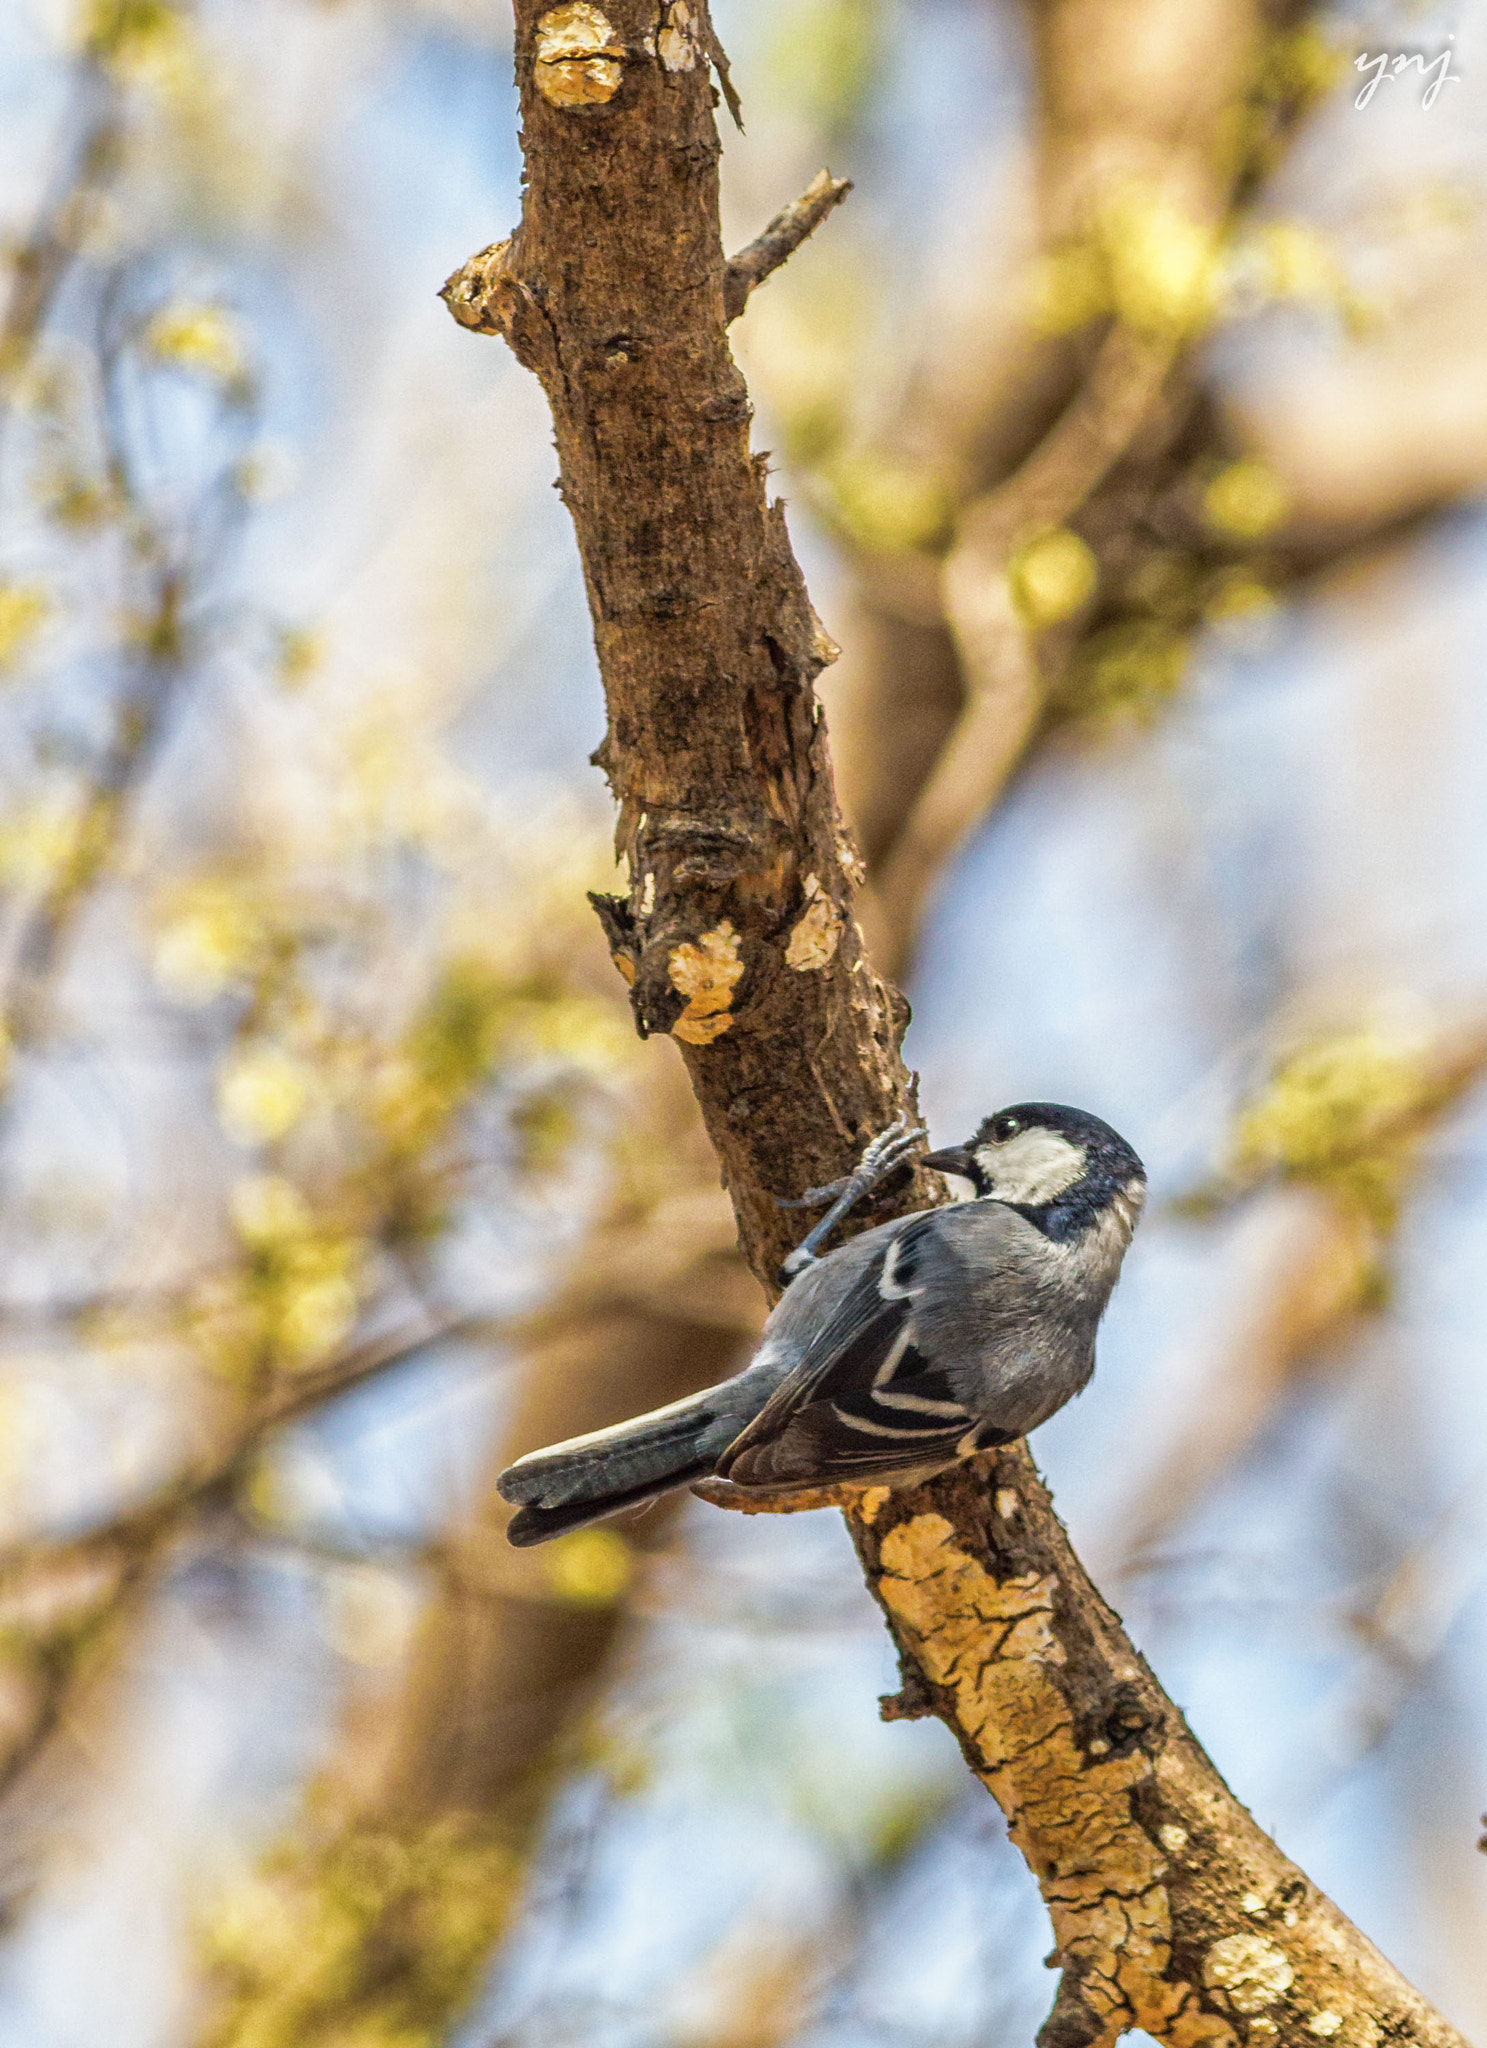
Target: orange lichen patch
<point>992,1645</point>
<point>817,932</point>
<point>706,974</point>
<point>579,57</point>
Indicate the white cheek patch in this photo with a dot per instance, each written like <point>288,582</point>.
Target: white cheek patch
<point>1032,1168</point>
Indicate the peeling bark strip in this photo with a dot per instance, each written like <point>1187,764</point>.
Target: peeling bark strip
<point>1171,1909</point>
<point>736,935</point>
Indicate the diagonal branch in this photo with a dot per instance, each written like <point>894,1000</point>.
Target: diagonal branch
<point>1171,1909</point>
<point>780,240</point>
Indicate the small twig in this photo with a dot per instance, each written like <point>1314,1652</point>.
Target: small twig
<point>747,270</point>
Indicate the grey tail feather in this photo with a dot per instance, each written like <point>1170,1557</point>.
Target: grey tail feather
<point>536,1525</point>
<point>589,1477</point>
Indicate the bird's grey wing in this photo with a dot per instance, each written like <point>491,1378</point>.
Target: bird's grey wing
<point>863,1398</point>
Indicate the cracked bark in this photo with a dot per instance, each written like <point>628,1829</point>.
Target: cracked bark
<point>1171,1909</point>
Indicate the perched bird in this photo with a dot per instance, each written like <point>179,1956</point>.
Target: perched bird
<point>912,1345</point>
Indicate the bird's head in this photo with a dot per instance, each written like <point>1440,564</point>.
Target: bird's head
<point>1062,1167</point>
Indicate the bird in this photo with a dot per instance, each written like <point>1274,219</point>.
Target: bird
<point>906,1349</point>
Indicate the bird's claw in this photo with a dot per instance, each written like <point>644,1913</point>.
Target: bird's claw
<point>878,1160</point>
<point>887,1150</point>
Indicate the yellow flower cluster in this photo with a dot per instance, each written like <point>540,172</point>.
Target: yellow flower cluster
<point>1247,500</point>
<point>1345,1111</point>
<point>262,1092</point>
<point>589,1568</point>
<point>202,339</point>
<point>369,1941</point>
<point>1144,259</point>
<point>476,1018</point>
<point>1052,575</point>
<point>210,935</point>
<point>296,1293</point>
<point>38,841</point>
<point>145,43</point>
<point>885,505</point>
<point>23,613</point>
<point>1127,670</point>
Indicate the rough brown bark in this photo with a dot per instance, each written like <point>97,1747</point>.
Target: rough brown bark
<point>1172,1910</point>
<point>737,934</point>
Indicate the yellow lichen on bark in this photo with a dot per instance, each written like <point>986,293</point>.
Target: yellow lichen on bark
<point>992,1645</point>
<point>706,974</point>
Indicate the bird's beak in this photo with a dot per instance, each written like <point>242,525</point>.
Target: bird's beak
<point>954,1159</point>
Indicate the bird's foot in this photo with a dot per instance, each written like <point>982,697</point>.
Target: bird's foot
<point>889,1149</point>
<point>879,1159</point>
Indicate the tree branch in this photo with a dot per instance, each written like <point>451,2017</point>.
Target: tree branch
<point>1171,1909</point>
<point>780,240</point>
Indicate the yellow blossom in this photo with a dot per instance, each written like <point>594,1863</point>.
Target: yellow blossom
<point>212,935</point>
<point>300,1291</point>
<point>318,1308</point>
<point>1052,576</point>
<point>266,1207</point>
<point>262,1092</point>
<point>203,339</point>
<point>1128,669</point>
<point>1247,500</point>
<point>1343,1110</point>
<point>37,842</point>
<point>886,505</point>
<point>1240,597</point>
<point>1164,268</point>
<point>589,1568</point>
<point>23,613</point>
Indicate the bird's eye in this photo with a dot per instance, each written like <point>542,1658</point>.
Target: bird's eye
<point>1005,1127</point>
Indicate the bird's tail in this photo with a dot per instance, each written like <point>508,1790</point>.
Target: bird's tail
<point>581,1481</point>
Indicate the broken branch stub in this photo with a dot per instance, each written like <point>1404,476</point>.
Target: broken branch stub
<point>744,272</point>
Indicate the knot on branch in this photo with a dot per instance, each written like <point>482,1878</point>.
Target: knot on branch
<point>715,912</point>
<point>487,296</point>
<point>913,1701</point>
